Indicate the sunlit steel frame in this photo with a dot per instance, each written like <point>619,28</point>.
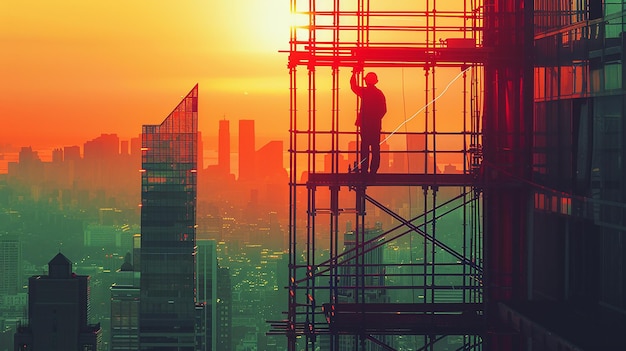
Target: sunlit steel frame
<point>314,308</point>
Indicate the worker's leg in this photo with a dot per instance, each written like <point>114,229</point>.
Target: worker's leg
<point>364,157</point>
<point>375,147</point>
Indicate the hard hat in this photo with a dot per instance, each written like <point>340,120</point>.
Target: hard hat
<point>371,78</point>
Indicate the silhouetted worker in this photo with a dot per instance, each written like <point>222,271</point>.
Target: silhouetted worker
<point>369,120</point>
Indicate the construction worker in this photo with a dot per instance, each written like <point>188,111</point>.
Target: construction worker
<point>369,120</point>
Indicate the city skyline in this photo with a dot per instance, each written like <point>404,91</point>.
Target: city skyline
<point>210,152</point>
<point>118,60</point>
<point>272,117</point>
<point>123,74</point>
<point>495,220</point>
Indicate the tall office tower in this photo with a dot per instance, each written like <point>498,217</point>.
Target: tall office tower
<point>206,288</point>
<point>105,146</point>
<point>136,252</point>
<point>28,169</point>
<point>416,159</point>
<point>124,148</point>
<point>373,275</point>
<point>271,156</point>
<point>10,265</point>
<point>571,251</point>
<point>223,148</point>
<point>124,316</point>
<point>99,156</point>
<point>135,147</point>
<point>247,159</point>
<point>168,232</point>
<point>57,155</point>
<point>224,310</point>
<point>71,153</point>
<point>125,307</point>
<point>58,312</point>
<point>362,278</point>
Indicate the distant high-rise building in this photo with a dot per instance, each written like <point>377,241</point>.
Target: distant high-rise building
<point>27,155</point>
<point>269,193</point>
<point>168,230</point>
<point>210,227</point>
<point>99,157</point>
<point>206,288</point>
<point>57,155</point>
<point>269,160</point>
<point>124,317</point>
<point>58,312</point>
<point>135,147</point>
<point>352,153</point>
<point>124,144</point>
<point>71,153</point>
<point>125,308</point>
<point>223,147</point>
<point>247,160</point>
<point>28,169</point>
<point>342,164</point>
<point>10,265</point>
<point>416,159</point>
<point>106,146</point>
<point>224,310</point>
<point>361,270</point>
<point>372,260</point>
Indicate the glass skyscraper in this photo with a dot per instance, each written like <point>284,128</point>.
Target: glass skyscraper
<point>168,229</point>
<point>576,262</point>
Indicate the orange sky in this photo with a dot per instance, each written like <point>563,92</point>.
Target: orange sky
<point>71,70</point>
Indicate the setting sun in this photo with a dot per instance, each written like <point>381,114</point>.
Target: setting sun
<point>77,69</point>
<point>267,23</point>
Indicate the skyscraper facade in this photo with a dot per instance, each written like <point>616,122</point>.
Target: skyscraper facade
<point>576,279</point>
<point>124,317</point>
<point>168,233</point>
<point>354,279</point>
<point>224,308</point>
<point>58,312</point>
<point>223,150</point>
<point>247,161</point>
<point>206,288</point>
<point>10,265</point>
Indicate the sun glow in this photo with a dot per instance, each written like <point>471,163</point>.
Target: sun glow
<point>269,23</point>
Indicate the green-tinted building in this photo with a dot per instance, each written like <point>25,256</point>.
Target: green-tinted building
<point>168,230</point>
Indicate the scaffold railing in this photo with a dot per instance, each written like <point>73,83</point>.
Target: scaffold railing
<point>391,259</point>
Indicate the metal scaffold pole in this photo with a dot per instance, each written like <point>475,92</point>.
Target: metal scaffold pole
<point>375,264</point>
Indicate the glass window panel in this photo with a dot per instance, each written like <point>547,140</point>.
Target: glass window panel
<point>596,83</point>
<point>613,76</point>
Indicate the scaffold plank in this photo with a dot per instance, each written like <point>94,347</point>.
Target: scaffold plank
<point>390,179</point>
<point>416,319</point>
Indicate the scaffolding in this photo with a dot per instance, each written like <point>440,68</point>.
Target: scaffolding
<point>393,260</point>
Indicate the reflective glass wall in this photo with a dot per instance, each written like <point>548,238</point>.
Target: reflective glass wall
<point>578,154</point>
<point>168,233</point>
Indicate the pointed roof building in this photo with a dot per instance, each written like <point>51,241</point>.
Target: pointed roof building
<point>60,267</point>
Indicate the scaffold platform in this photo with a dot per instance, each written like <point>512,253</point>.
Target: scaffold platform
<point>390,179</point>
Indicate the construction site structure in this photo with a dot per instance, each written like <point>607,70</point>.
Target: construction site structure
<point>443,248</point>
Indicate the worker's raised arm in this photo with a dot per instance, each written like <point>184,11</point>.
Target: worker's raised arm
<point>353,84</point>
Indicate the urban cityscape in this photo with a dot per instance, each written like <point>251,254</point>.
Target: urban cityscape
<point>92,222</point>
<point>442,177</point>
<point>74,208</point>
